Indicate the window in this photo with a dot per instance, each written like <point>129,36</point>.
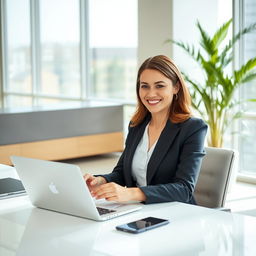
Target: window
<point>113,48</point>
<point>247,125</point>
<point>17,52</point>
<point>60,41</point>
<point>59,50</point>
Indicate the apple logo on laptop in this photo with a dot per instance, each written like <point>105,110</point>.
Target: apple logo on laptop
<point>53,188</point>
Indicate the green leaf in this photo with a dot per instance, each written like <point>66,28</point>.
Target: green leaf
<point>221,34</point>
<point>242,73</point>
<point>234,39</point>
<point>237,115</point>
<point>248,77</point>
<point>206,41</point>
<point>187,48</point>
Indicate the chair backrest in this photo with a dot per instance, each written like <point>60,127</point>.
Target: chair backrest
<point>213,181</point>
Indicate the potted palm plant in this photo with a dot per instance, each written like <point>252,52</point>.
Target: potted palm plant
<point>214,98</point>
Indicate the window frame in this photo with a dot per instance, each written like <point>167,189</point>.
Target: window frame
<point>238,24</point>
<point>85,84</point>
<point>3,52</point>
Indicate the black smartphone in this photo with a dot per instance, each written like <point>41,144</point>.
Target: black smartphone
<point>142,225</point>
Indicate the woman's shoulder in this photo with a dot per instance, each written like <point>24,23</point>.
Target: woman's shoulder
<point>142,124</point>
<point>193,123</point>
<point>195,120</point>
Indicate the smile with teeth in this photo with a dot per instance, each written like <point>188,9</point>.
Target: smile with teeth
<point>153,102</point>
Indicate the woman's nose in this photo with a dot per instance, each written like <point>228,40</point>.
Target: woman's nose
<point>151,92</point>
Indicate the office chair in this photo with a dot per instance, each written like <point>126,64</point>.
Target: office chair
<point>213,181</point>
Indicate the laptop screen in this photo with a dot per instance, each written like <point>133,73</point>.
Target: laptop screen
<point>10,187</point>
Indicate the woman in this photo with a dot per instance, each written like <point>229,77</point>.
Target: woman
<point>165,144</point>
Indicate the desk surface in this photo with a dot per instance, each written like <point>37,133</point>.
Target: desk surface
<point>193,230</point>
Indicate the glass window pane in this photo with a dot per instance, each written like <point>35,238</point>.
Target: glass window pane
<point>113,48</point>
<point>247,149</point>
<point>18,46</point>
<point>249,51</point>
<point>246,137</point>
<point>14,101</point>
<point>60,52</point>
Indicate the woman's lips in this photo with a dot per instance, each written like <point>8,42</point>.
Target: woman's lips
<point>153,102</point>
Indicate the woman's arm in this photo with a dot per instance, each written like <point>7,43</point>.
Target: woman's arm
<point>117,174</point>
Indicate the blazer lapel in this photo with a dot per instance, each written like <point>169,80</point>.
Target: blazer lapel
<point>165,140</point>
<point>130,152</point>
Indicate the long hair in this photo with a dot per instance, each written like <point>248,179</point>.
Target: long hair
<point>180,107</point>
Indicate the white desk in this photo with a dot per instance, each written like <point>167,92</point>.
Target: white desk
<point>28,231</point>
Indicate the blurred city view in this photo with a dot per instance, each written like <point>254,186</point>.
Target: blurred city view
<point>112,72</point>
<point>51,70</point>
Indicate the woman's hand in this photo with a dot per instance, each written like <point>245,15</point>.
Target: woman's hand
<point>114,192</point>
<point>93,181</point>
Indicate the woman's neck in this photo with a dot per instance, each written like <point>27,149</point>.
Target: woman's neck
<point>158,121</point>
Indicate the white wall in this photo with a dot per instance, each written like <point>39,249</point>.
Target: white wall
<point>154,27</point>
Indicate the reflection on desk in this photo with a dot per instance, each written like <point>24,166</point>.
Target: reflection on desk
<point>193,230</point>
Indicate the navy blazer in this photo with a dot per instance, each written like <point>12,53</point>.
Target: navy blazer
<point>174,165</point>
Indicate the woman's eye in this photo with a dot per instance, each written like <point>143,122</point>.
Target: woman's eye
<point>144,86</point>
<point>159,86</point>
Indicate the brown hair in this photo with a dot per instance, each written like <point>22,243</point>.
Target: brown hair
<point>180,107</point>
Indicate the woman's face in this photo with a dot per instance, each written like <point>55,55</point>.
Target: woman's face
<point>156,91</point>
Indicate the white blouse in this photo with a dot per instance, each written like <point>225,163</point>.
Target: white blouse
<point>141,158</point>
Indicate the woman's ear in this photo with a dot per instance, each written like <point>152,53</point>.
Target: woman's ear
<point>176,88</point>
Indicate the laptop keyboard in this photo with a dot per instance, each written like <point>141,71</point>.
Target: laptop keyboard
<point>103,211</point>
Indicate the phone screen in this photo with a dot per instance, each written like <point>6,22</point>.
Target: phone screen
<point>142,225</point>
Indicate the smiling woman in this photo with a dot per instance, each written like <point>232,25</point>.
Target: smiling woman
<point>163,72</point>
<point>164,146</point>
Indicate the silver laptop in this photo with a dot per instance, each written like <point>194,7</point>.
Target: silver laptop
<point>60,187</point>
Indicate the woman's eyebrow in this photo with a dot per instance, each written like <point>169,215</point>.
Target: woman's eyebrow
<point>160,82</point>
<point>157,82</point>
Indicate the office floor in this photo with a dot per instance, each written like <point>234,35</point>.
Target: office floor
<point>240,199</point>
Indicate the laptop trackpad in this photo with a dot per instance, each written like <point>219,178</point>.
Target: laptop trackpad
<point>113,205</point>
